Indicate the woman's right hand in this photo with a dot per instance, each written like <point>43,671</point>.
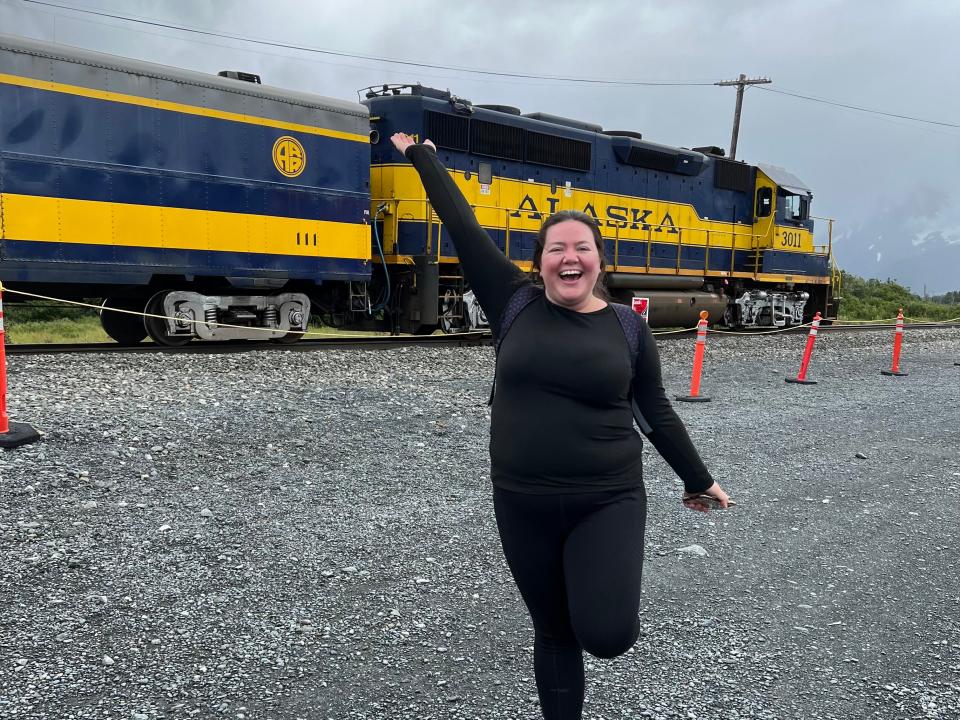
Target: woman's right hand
<point>402,141</point>
<point>713,496</point>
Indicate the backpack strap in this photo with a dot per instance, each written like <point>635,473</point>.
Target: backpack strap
<point>630,323</point>
<point>522,296</point>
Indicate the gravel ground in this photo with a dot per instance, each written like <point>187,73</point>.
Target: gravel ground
<point>310,535</point>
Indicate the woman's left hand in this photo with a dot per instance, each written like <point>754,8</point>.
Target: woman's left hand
<point>402,141</point>
<point>712,497</point>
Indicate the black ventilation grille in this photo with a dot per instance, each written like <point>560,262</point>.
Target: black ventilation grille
<point>652,159</point>
<point>447,131</point>
<point>493,139</point>
<point>729,175</point>
<point>555,151</point>
<point>496,140</point>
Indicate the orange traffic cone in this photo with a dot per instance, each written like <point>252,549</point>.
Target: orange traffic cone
<point>695,395</point>
<point>801,378</point>
<point>11,434</point>
<point>897,343</point>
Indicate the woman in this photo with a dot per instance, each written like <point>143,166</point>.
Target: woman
<point>565,459</point>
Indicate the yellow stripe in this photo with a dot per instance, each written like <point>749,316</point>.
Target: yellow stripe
<point>799,279</point>
<point>401,186</point>
<point>46,219</point>
<point>176,107</point>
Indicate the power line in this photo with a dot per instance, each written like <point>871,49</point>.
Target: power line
<point>357,56</point>
<point>476,71</point>
<point>856,107</point>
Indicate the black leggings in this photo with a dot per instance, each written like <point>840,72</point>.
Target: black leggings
<point>577,560</point>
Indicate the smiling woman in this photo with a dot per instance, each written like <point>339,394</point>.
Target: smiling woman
<point>569,258</point>
<point>565,458</point>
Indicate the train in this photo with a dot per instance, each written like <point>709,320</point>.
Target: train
<point>224,209</point>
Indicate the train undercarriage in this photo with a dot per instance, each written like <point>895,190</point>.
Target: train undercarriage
<point>422,303</point>
<point>422,298</point>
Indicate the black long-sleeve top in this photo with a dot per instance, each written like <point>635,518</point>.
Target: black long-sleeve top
<point>562,417</point>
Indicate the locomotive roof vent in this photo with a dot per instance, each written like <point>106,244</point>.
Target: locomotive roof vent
<point>624,133</point>
<point>710,150</point>
<point>557,120</point>
<point>508,109</point>
<point>237,75</point>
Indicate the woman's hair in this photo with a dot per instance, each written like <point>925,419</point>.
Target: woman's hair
<point>600,289</point>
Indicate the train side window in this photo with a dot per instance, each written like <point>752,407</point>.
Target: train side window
<point>795,208</point>
<point>485,173</point>
<point>789,206</point>
<point>764,202</point>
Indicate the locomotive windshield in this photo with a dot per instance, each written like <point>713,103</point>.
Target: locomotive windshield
<point>796,208</point>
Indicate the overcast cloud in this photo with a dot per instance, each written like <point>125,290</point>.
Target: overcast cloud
<point>889,182</point>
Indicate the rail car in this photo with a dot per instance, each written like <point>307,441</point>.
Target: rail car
<point>215,200</point>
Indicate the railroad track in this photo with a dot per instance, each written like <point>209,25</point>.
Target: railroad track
<point>841,327</point>
<point>378,342</point>
<point>804,329</point>
<point>381,342</point>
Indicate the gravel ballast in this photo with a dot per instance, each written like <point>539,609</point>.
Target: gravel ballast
<point>310,535</point>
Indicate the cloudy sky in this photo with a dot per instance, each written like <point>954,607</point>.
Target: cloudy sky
<point>889,182</point>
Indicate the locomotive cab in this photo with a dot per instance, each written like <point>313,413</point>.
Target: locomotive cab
<point>783,250</point>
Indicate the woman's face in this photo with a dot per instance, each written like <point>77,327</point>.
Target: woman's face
<point>570,264</point>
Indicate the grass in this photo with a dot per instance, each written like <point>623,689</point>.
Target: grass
<point>32,325</point>
<point>64,330</point>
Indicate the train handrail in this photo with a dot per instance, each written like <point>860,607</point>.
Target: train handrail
<point>713,238</point>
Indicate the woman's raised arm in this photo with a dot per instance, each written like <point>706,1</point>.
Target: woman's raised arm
<point>492,277</point>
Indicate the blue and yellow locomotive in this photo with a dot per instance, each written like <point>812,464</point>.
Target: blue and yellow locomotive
<point>215,200</point>
<point>687,230</point>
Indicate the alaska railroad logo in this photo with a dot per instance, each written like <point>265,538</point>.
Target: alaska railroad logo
<point>289,157</point>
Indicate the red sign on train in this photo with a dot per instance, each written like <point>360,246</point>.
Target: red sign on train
<point>642,306</point>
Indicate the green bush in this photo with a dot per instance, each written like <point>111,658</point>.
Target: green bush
<point>871,299</point>
<point>45,311</point>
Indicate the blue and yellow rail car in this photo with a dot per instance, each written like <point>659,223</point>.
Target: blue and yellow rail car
<point>688,230</point>
<point>204,198</point>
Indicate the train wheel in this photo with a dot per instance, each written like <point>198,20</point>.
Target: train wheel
<point>450,322</point>
<point>123,328</point>
<point>157,328</point>
<point>288,339</point>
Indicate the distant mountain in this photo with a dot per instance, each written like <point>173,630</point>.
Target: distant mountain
<point>933,263</point>
<point>916,242</point>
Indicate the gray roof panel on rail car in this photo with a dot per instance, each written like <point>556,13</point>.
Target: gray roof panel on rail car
<point>785,179</point>
<point>98,71</point>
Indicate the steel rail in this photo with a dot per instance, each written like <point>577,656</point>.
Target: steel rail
<point>380,342</point>
<point>385,342</point>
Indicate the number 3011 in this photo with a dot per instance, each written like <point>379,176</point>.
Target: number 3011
<point>790,239</point>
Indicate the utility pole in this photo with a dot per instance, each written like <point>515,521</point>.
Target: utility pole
<point>741,84</point>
